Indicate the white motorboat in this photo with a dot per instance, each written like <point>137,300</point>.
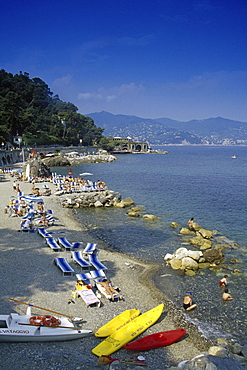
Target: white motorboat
<point>28,328</point>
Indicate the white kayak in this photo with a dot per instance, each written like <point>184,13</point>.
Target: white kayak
<point>28,328</point>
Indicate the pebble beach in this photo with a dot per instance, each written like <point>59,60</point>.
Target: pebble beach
<point>29,275</point>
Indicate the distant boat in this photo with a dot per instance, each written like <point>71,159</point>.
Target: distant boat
<point>70,171</point>
<point>234,156</point>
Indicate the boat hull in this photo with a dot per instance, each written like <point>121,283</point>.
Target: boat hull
<point>17,328</point>
<point>162,339</point>
<point>128,332</point>
<point>12,337</point>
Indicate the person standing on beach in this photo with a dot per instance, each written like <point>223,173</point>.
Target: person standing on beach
<point>188,303</point>
<point>14,185</point>
<point>226,296</point>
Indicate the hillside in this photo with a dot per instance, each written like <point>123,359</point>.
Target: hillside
<point>220,131</point>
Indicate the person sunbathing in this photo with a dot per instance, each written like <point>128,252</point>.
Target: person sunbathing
<point>43,221</point>
<point>109,289</point>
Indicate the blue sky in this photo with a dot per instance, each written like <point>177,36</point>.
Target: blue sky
<point>181,59</point>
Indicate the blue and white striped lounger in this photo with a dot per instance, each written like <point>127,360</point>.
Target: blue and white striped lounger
<point>97,274</point>
<point>53,244</point>
<point>84,277</point>
<point>63,242</point>
<point>77,258</point>
<point>77,245</point>
<point>63,264</point>
<point>90,248</point>
<point>95,262</point>
<point>44,233</point>
<point>30,198</point>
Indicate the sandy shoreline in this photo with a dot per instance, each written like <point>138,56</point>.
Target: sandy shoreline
<point>28,274</point>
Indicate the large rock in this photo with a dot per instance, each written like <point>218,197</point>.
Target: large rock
<point>206,244</point>
<point>244,350</point>
<point>181,252</point>
<point>207,362</point>
<point>98,204</point>
<point>218,351</point>
<point>38,168</point>
<point>124,203</point>
<point>207,234</point>
<point>195,255</point>
<point>185,231</point>
<point>236,348</point>
<point>197,241</point>
<point>175,263</point>
<point>195,226</point>
<point>148,217</point>
<point>131,213</point>
<point>213,256</point>
<point>56,161</point>
<point>189,264</point>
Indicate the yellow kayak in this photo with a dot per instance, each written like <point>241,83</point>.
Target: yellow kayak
<point>128,332</point>
<point>117,323</point>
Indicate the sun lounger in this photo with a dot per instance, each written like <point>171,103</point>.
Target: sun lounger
<point>53,244</point>
<point>77,258</point>
<point>84,277</point>
<point>32,198</point>
<point>97,274</point>
<point>89,297</point>
<point>95,262</point>
<point>63,242</point>
<point>44,233</point>
<point>102,290</point>
<point>77,245</point>
<point>90,248</point>
<point>63,264</point>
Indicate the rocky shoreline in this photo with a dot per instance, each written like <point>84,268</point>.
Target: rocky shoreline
<point>29,275</point>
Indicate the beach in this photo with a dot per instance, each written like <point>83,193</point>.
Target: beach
<point>28,274</point>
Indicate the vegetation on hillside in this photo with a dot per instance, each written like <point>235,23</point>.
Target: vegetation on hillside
<point>29,109</point>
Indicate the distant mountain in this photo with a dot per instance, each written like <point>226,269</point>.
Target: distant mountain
<point>167,131</point>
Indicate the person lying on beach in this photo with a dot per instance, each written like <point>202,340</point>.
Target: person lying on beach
<point>80,285</point>
<point>226,296</point>
<point>188,303</point>
<point>223,282</point>
<point>109,289</point>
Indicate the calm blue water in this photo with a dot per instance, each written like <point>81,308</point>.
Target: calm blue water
<point>200,182</point>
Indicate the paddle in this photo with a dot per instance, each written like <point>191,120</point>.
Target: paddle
<point>41,308</point>
<point>64,327</point>
<point>109,360</point>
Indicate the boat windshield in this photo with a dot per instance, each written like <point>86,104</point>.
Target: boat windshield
<point>3,324</point>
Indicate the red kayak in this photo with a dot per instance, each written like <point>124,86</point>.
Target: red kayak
<point>156,340</point>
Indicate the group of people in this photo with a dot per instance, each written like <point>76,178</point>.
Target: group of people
<point>188,303</point>
<point>70,184</point>
<point>105,283</point>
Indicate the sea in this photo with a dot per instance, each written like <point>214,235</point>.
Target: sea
<point>204,182</point>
